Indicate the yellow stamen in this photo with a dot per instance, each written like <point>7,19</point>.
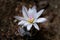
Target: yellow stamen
<point>31,20</point>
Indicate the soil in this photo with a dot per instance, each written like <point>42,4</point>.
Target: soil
<point>49,30</point>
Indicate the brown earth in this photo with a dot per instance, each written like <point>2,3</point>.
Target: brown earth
<point>49,30</point>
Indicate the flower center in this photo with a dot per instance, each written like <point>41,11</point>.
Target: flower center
<point>31,19</point>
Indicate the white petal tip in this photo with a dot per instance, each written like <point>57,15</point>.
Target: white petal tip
<point>38,29</point>
<point>21,22</point>
<point>36,26</point>
<point>29,27</point>
<point>41,20</point>
<point>42,10</point>
<point>18,23</point>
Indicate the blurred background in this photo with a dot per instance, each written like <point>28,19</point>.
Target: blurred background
<point>49,30</point>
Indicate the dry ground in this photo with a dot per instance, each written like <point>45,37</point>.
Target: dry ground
<point>49,31</point>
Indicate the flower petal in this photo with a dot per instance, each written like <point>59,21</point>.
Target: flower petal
<point>41,20</point>
<point>29,27</point>
<point>21,31</point>
<point>39,13</point>
<point>25,24</point>
<point>24,11</point>
<point>36,26</point>
<point>32,11</point>
<point>19,18</point>
<point>21,22</point>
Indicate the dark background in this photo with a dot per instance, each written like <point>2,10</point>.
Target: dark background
<point>11,8</point>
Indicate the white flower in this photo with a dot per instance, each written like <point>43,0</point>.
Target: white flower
<point>30,17</point>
